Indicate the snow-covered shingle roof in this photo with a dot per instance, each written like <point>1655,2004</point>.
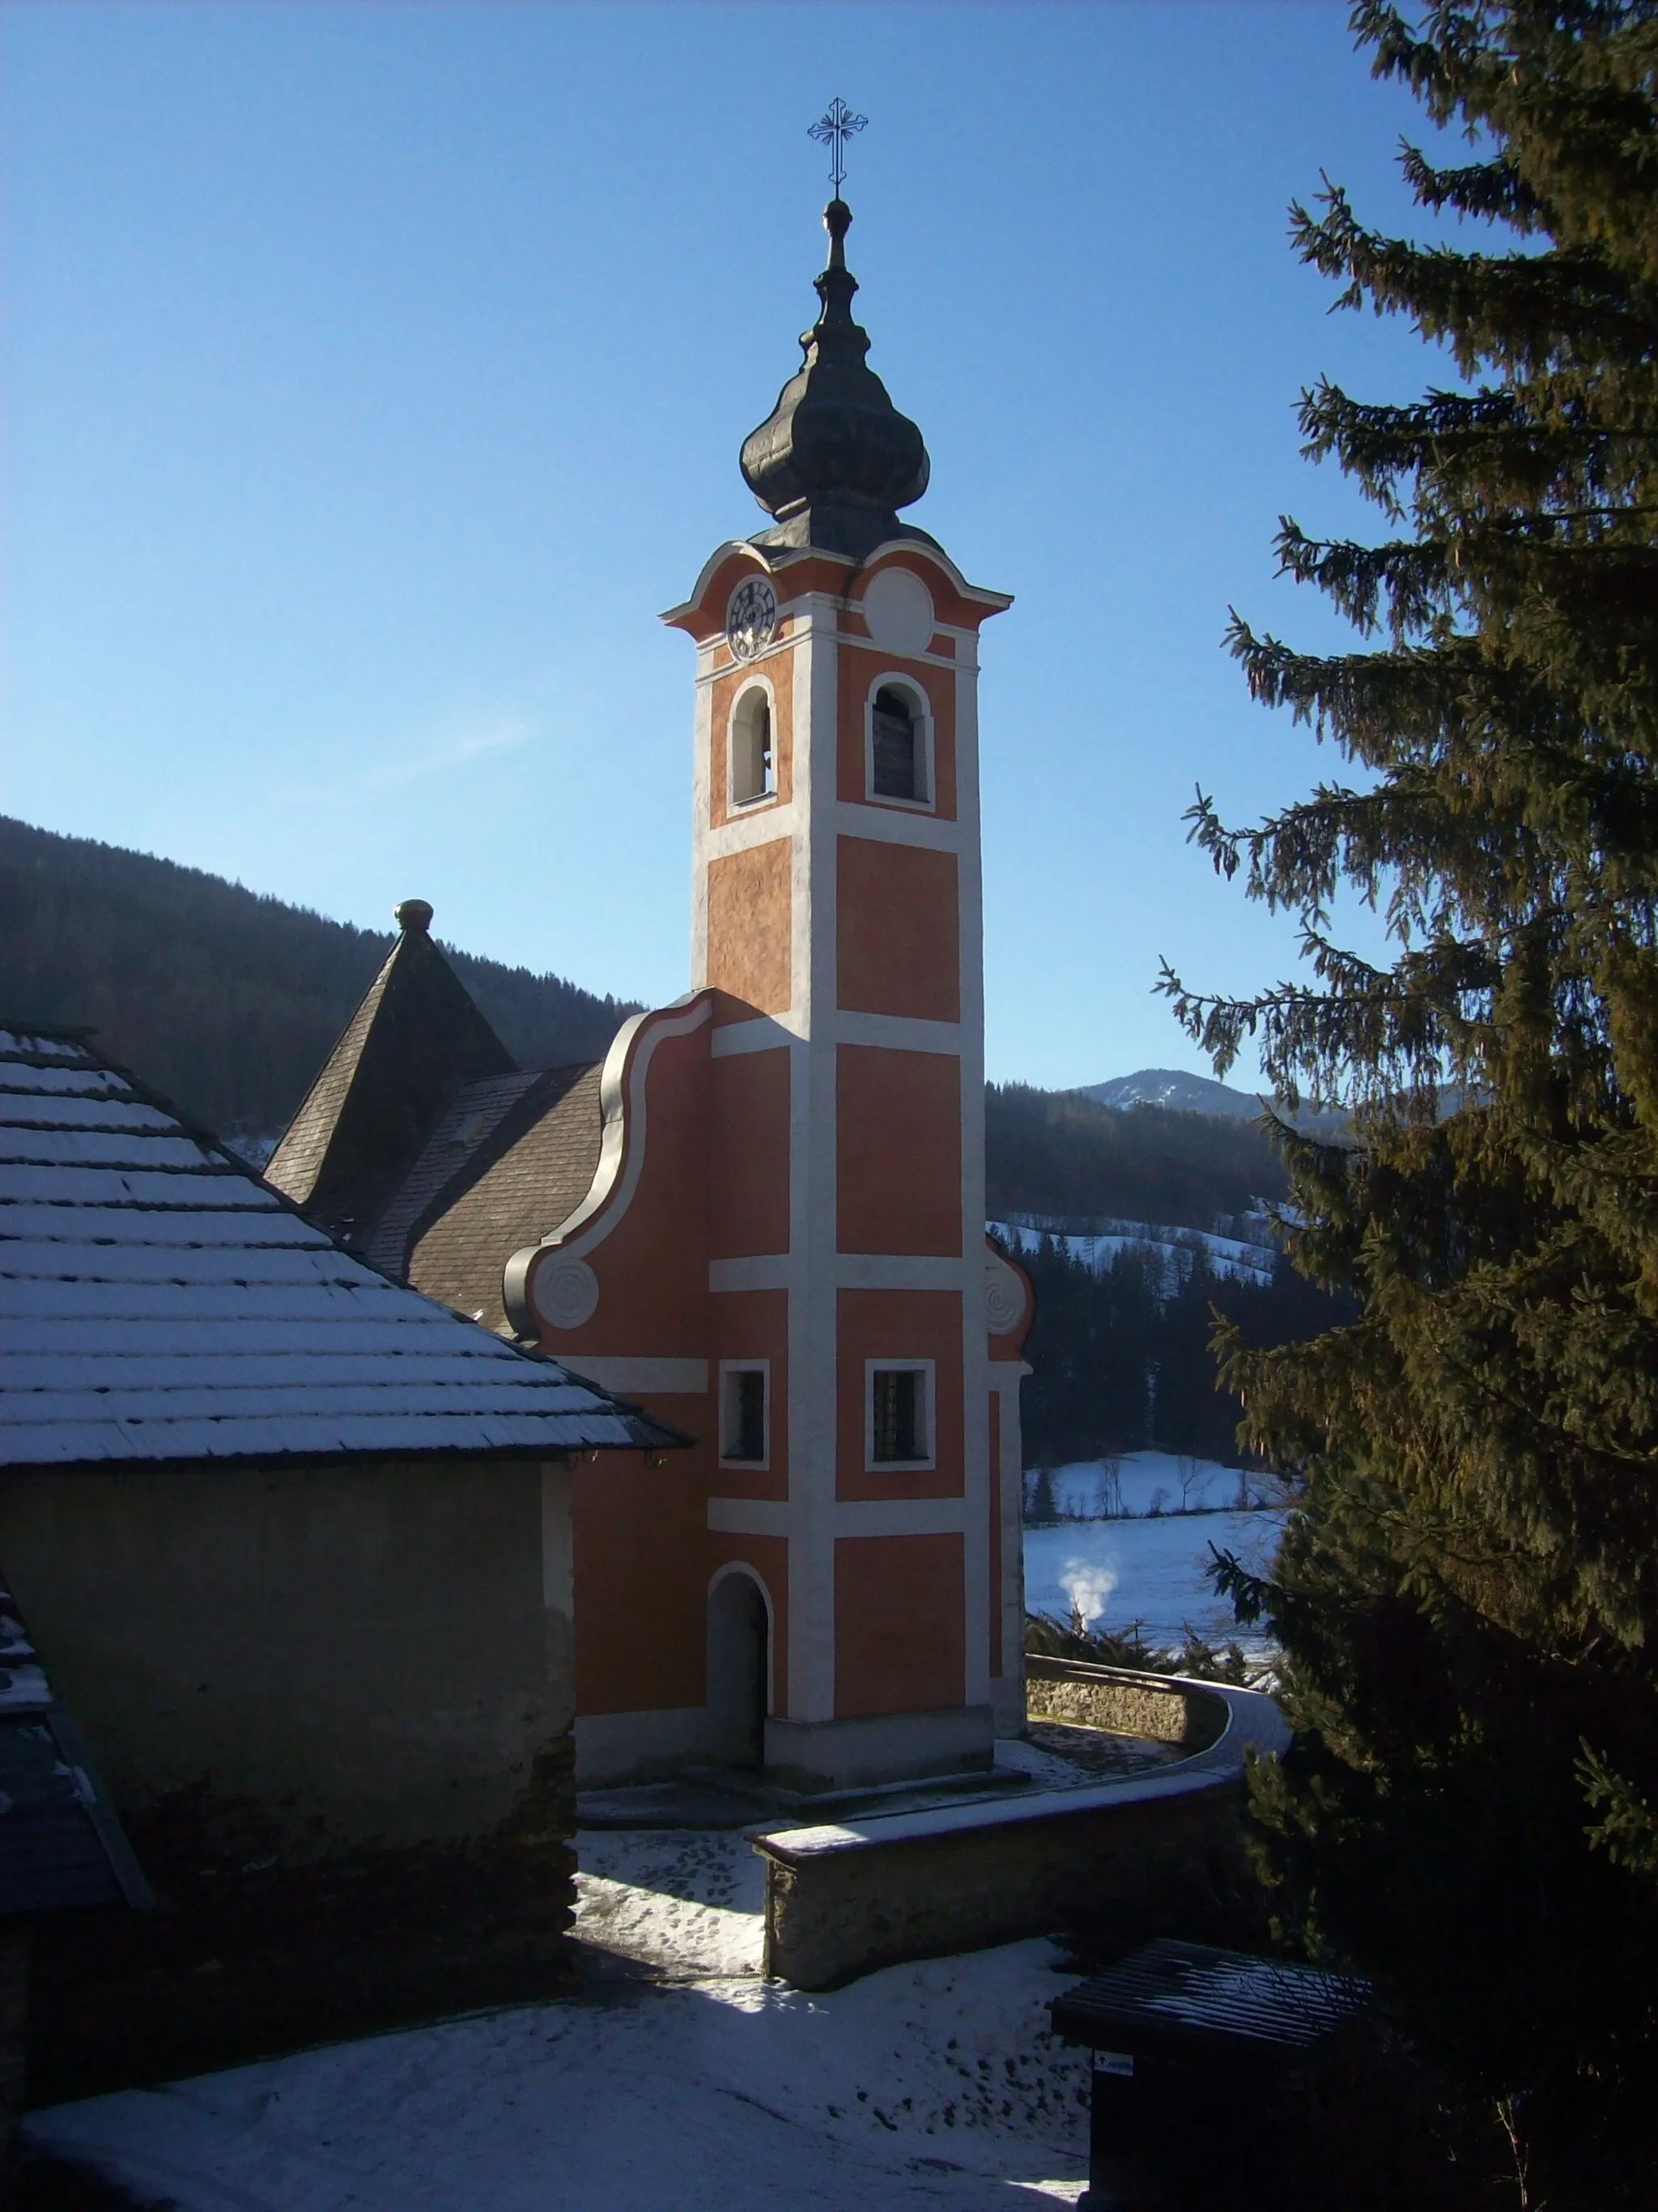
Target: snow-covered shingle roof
<point>159,1302</point>
<point>61,1844</point>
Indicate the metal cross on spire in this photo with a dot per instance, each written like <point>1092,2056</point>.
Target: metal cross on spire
<point>832,128</point>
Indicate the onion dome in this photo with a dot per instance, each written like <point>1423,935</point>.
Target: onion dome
<point>835,459</point>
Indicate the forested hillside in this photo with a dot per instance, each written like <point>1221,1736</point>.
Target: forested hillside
<point>1120,1357</point>
<point>1059,1155</point>
<point>225,1001</point>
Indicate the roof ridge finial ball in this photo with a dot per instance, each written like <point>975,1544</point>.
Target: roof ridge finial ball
<point>413,917</point>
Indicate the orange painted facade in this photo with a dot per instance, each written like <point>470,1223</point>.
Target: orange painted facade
<point>782,1253</point>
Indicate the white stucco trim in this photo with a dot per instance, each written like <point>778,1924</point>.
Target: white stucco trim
<point>620,1372</point>
<point>814,1329</point>
<point>621,1148</point>
<point>889,1271</point>
<point>853,1516</point>
<point>764,1271</point>
<point>750,1517</point>
<point>765,1033</point>
<point>981,1482</point>
<point>761,822</point>
<point>898,1033</point>
<point>622,1110</point>
<point>890,822</point>
<point>901,1516</point>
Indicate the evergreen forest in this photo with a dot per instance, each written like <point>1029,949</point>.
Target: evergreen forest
<point>226,1002</point>
<point>1121,1363</point>
<point>1466,1594</point>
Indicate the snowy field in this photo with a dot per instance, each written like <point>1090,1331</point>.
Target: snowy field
<point>1148,1569</point>
<point>936,2085</point>
<point>1172,1253</point>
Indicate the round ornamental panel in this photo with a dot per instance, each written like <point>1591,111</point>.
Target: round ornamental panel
<point>751,620</point>
<point>898,609</point>
<point>1004,1297</point>
<point>564,1292</point>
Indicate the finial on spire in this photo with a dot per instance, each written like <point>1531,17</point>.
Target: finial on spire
<point>832,128</point>
<point>835,460</point>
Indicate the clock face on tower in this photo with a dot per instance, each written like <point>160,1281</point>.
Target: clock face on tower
<point>752,618</point>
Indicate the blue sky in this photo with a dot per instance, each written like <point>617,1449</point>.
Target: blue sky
<point>374,373</point>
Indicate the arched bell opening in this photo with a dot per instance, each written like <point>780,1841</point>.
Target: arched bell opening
<point>739,1667</point>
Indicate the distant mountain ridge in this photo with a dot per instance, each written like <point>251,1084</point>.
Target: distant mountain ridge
<point>1178,1092</point>
<point>1172,1088</point>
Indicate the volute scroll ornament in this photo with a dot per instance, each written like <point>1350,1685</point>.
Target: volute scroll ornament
<point>564,1292</point>
<point>1004,1297</point>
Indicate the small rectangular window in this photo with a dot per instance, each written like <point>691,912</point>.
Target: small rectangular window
<point>900,1415</point>
<point>743,1414</point>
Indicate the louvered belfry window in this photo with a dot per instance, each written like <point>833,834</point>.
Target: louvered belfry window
<point>897,1424</point>
<point>896,769</point>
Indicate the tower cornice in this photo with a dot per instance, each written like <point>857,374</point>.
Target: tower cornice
<point>796,571</point>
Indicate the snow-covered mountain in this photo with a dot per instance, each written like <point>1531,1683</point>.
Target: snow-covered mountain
<point>1169,1086</point>
<point>1198,1094</point>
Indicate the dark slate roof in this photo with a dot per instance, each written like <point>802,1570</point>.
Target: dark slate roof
<point>478,1122</point>
<point>61,1844</point>
<point>535,1172</point>
<point>158,1302</point>
<point>415,1035</point>
<point>1176,1999</point>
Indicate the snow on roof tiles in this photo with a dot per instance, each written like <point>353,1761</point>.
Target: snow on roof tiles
<point>159,1302</point>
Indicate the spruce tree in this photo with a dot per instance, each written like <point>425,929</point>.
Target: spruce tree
<point>1467,1595</point>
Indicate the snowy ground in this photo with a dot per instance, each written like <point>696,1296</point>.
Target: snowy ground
<point>931,2085</point>
<point>1155,1482</point>
<point>685,2078</point>
<point>1171,1251</point>
<point>1151,1568</point>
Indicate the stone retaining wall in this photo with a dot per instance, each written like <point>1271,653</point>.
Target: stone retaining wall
<point>842,1900</point>
<point>1162,1709</point>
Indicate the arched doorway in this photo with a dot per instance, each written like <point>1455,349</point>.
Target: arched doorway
<point>739,1667</point>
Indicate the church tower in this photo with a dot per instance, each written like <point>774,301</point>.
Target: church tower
<point>867,1431</point>
<point>762,1214</point>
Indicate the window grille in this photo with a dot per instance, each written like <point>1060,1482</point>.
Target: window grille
<point>897,1424</point>
<point>745,1414</point>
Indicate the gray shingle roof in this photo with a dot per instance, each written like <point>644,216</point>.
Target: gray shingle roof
<point>415,1035</point>
<point>537,1170</point>
<point>158,1301</point>
<point>61,1844</point>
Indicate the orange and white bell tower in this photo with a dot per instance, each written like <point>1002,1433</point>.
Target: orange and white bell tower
<point>837,918</point>
<point>782,1251</point>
